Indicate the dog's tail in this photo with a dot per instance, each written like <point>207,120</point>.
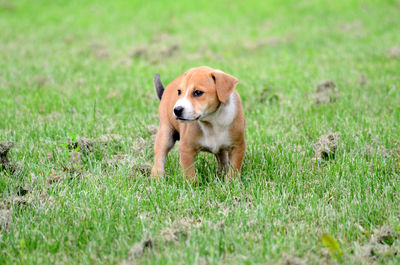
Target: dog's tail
<point>158,86</point>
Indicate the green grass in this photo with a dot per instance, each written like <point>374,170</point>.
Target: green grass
<point>67,70</point>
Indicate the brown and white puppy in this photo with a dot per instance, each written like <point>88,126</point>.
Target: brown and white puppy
<point>202,109</point>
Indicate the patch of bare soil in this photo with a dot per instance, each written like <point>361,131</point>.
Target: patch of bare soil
<point>139,249</point>
<point>20,200</point>
<point>153,132</point>
<point>194,56</point>
<point>381,245</point>
<point>202,53</point>
<point>109,139</point>
<point>87,144</point>
<point>268,95</point>
<point>163,46</point>
<point>378,150</point>
<point>326,146</point>
<point>131,162</point>
<point>262,43</point>
<point>245,200</point>
<point>180,229</point>
<point>7,5</point>
<point>170,50</point>
<point>153,54</point>
<point>26,199</point>
<point>375,148</point>
<point>326,92</point>
<point>5,219</point>
<point>144,167</point>
<point>124,61</point>
<point>363,80</point>
<point>75,158</point>
<point>292,260</point>
<point>23,198</point>
<point>16,200</point>
<point>74,167</point>
<point>51,116</point>
<point>393,53</point>
<point>139,52</point>
<point>116,160</point>
<point>114,94</point>
<point>152,129</point>
<point>162,37</point>
<point>55,177</point>
<point>355,26</point>
<point>271,41</point>
<point>138,146</point>
<point>5,163</point>
<point>40,81</point>
<point>84,146</point>
<point>22,191</point>
<point>99,50</point>
<point>69,38</point>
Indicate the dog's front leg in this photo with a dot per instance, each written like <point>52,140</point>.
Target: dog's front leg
<point>187,157</point>
<point>236,159</point>
<point>163,144</point>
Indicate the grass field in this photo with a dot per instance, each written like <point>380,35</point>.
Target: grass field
<point>78,104</point>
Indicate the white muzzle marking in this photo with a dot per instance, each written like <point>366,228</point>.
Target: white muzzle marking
<point>188,112</point>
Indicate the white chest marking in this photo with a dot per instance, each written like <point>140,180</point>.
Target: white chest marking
<point>216,134</point>
<point>214,139</point>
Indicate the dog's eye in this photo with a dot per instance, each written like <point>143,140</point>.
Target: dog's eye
<point>197,93</point>
<point>179,92</point>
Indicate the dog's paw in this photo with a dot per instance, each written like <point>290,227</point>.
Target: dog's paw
<point>156,173</point>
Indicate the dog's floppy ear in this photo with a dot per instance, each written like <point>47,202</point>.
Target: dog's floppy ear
<point>225,84</point>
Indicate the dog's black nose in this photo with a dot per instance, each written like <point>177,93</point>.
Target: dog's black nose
<point>178,111</point>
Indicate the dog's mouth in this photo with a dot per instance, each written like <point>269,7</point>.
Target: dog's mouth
<point>187,120</point>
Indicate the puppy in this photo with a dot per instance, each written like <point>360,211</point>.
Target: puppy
<point>202,109</point>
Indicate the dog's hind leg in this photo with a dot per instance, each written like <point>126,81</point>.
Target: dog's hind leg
<point>223,160</point>
<point>165,140</point>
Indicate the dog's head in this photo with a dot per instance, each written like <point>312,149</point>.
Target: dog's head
<point>200,93</point>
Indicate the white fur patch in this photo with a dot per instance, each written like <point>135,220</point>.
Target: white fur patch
<point>188,113</point>
<point>217,135</point>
